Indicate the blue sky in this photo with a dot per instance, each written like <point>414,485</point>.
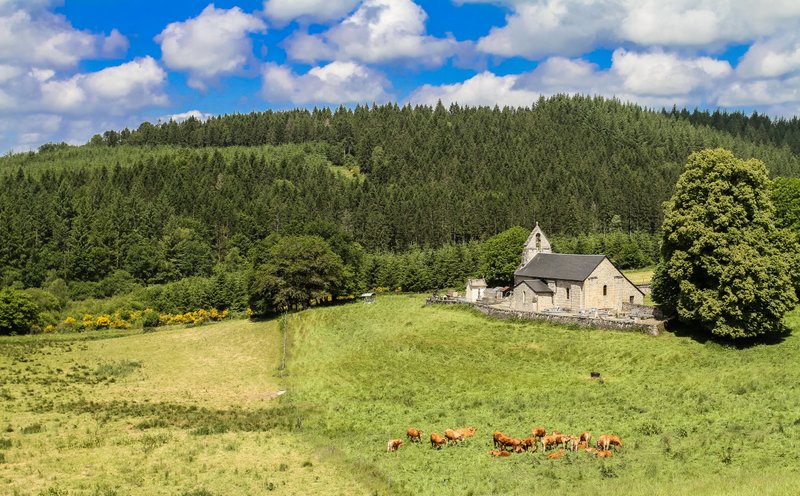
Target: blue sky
<point>70,69</point>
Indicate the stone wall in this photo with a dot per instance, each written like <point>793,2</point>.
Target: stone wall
<point>645,311</point>
<point>499,313</point>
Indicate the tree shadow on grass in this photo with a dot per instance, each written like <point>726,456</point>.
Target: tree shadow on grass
<point>702,336</point>
<point>198,420</point>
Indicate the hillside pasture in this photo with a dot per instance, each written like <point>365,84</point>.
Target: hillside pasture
<point>184,411</point>
<point>696,418</point>
<point>194,411</point>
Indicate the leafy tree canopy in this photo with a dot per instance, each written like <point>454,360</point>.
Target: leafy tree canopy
<point>18,312</point>
<point>723,268</point>
<point>297,269</point>
<point>500,255</point>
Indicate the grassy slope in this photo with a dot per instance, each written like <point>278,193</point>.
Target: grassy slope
<point>180,410</point>
<point>173,412</point>
<point>696,418</point>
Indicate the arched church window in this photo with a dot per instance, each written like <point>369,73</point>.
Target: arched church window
<point>538,241</point>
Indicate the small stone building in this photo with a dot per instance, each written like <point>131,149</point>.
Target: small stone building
<point>476,290</point>
<point>573,283</point>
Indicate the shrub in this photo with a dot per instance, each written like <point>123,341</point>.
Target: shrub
<point>18,312</point>
<point>150,318</point>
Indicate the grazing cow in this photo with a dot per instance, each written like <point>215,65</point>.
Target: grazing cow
<point>550,441</point>
<point>496,438</point>
<point>538,432</point>
<point>499,453</point>
<point>467,431</point>
<point>453,436</point>
<point>605,441</point>
<point>437,441</point>
<point>557,454</point>
<point>586,437</point>
<point>393,444</point>
<point>414,434</point>
<point>572,443</point>
<point>529,443</point>
<point>603,454</point>
<point>504,441</point>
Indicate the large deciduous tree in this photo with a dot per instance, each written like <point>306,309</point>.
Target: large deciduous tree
<point>296,270</point>
<point>724,267</point>
<point>500,255</point>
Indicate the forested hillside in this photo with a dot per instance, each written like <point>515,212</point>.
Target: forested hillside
<point>170,201</point>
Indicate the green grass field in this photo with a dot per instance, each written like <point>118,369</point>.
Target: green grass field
<point>191,411</point>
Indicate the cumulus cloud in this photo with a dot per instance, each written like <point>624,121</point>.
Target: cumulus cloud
<point>334,83</point>
<point>651,79</point>
<point>658,73</point>
<point>49,40</point>
<point>113,91</point>
<point>213,44</point>
<point>483,89</point>
<point>540,28</point>
<point>378,31</point>
<point>773,57</point>
<point>284,11</point>
<point>200,116</point>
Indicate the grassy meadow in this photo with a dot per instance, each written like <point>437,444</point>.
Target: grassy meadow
<point>193,411</point>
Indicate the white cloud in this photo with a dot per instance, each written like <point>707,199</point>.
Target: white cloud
<point>774,92</point>
<point>483,89</point>
<point>652,79</point>
<point>200,116</point>
<point>49,40</point>
<point>660,74</point>
<point>773,57</point>
<point>553,27</point>
<point>114,90</point>
<point>540,28</point>
<point>284,11</point>
<point>213,44</point>
<point>379,31</point>
<point>334,83</point>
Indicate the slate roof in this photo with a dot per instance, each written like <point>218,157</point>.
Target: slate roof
<point>560,266</point>
<point>537,285</point>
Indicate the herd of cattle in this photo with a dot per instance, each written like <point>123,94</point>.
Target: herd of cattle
<point>504,445</point>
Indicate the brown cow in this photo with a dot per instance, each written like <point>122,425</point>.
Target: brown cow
<point>467,431</point>
<point>499,453</point>
<point>496,438</point>
<point>538,432</point>
<point>549,441</point>
<point>603,454</point>
<point>504,441</point>
<point>528,443</point>
<point>453,436</point>
<point>572,443</point>
<point>437,441</point>
<point>586,437</point>
<point>414,434</point>
<point>557,454</point>
<point>607,440</point>
<point>393,444</point>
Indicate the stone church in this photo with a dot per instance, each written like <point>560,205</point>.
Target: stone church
<point>571,283</point>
